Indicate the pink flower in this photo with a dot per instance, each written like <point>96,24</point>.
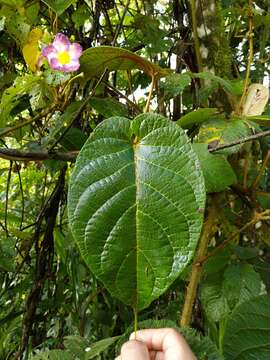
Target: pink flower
<point>62,54</point>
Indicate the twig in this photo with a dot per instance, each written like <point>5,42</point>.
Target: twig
<point>195,35</point>
<point>261,172</point>
<point>7,192</point>
<point>240,141</point>
<point>13,154</point>
<point>27,122</point>
<point>196,267</point>
<point>117,92</point>
<point>22,194</point>
<point>265,215</point>
<point>119,27</point>
<point>152,86</point>
<point>251,54</point>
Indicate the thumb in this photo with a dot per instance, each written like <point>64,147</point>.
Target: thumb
<point>134,350</point>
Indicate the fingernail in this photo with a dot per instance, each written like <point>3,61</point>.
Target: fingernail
<point>132,336</point>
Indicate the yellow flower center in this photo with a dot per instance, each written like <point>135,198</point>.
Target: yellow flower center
<point>64,58</point>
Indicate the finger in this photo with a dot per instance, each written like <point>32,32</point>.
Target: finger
<point>118,358</point>
<point>156,355</point>
<point>167,340</point>
<point>134,350</point>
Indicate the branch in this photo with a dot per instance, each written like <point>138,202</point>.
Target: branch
<point>240,141</point>
<point>197,268</point>
<point>13,154</point>
<point>27,122</point>
<point>265,215</point>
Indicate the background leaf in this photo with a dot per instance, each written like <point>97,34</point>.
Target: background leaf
<point>217,171</point>
<point>247,334</point>
<point>59,6</point>
<point>223,131</point>
<point>196,117</point>
<point>95,60</point>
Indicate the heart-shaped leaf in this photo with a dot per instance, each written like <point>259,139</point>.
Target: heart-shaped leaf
<point>135,202</point>
<point>95,60</point>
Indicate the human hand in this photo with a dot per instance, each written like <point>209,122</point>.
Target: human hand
<point>156,344</point>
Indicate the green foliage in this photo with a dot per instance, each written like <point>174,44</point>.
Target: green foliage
<point>108,107</point>
<point>221,131</point>
<point>116,193</point>
<point>247,332</point>
<point>59,6</point>
<point>196,117</point>
<point>174,84</point>
<point>218,173</point>
<point>95,60</point>
<point>52,302</point>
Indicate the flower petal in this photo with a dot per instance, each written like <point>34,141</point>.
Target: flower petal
<point>48,51</point>
<point>75,51</point>
<point>73,65</point>
<point>61,42</point>
<point>55,64</point>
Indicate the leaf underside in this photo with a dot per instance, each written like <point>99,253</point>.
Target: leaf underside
<point>136,199</point>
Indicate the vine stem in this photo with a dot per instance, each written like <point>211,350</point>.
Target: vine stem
<point>195,34</point>
<point>197,267</point>
<point>265,215</point>
<point>250,56</point>
<point>261,172</point>
<point>152,86</point>
<point>27,122</point>
<point>135,321</point>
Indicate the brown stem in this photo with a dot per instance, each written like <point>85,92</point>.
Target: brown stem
<point>250,56</point>
<point>257,217</point>
<point>152,86</point>
<point>13,154</point>
<point>197,268</point>
<point>240,141</point>
<point>261,172</point>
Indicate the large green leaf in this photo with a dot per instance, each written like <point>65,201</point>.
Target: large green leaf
<point>135,205</point>
<point>95,60</point>
<point>247,335</point>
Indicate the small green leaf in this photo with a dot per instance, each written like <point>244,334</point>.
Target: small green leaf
<point>213,298</point>
<point>241,282</point>
<point>129,178</point>
<point>53,355</point>
<point>100,346</point>
<point>175,84</point>
<point>58,6</point>
<point>23,85</point>
<point>196,117</point>
<point>247,334</point>
<point>225,84</point>
<point>218,173</point>
<point>95,60</point>
<point>76,345</point>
